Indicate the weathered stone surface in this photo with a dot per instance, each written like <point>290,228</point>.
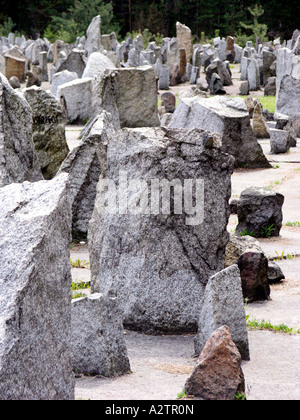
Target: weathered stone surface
<point>275,273</point>
<point>48,130</point>
<point>259,125</point>
<point>216,86</point>
<point>237,246</point>
<point>280,141</point>
<point>84,165</point>
<point>168,100</point>
<point>218,374</point>
<point>74,63</point>
<point>288,97</point>
<point>98,342</point>
<point>33,79</point>
<point>18,160</point>
<point>61,78</point>
<point>76,99</point>
<point>260,209</point>
<point>131,93</point>
<point>223,304</point>
<point>270,88</point>
<point>253,267</point>
<point>14,82</point>
<point>96,65</point>
<point>158,264</point>
<point>230,119</point>
<point>93,36</point>
<point>35,297</point>
<point>184,39</point>
<point>164,78</point>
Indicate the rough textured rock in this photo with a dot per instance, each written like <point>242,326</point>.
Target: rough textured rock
<point>184,40</point>
<point>275,273</point>
<point>83,165</point>
<point>260,212</point>
<point>74,63</point>
<point>159,263</point>
<point>61,78</point>
<point>259,124</point>
<point>14,82</point>
<point>35,297</point>
<point>168,100</point>
<point>288,97</point>
<point>33,80</point>
<point>96,65</point>
<point>131,93</point>
<point>48,130</point>
<point>18,160</point>
<point>280,141</point>
<point>218,374</point>
<point>223,304</point>
<point>237,246</point>
<point>98,342</point>
<point>76,99</point>
<point>93,36</point>
<point>270,88</point>
<point>253,267</point>
<point>230,119</point>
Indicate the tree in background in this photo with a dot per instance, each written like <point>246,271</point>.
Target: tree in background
<point>258,30</point>
<point>76,20</point>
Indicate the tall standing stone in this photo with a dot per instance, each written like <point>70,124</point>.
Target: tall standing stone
<point>156,262</point>
<point>184,39</point>
<point>18,160</point>
<point>48,130</point>
<point>35,297</point>
<point>223,304</point>
<point>93,36</point>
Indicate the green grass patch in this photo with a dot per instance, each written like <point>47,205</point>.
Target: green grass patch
<point>267,102</point>
<point>294,224</point>
<point>266,325</point>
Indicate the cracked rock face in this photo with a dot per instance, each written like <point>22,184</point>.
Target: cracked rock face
<point>84,165</point>
<point>48,130</point>
<point>35,296</point>
<point>230,119</point>
<point>158,263</point>
<point>18,160</point>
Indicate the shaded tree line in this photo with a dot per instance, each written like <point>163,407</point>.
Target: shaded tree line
<point>34,17</point>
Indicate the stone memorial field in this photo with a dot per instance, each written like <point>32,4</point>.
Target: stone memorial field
<point>149,218</point>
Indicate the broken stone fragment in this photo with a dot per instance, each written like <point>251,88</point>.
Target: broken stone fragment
<point>218,374</point>
<point>98,342</point>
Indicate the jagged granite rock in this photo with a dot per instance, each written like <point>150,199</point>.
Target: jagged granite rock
<point>83,165</point>
<point>230,119</point>
<point>253,267</point>
<point>93,36</point>
<point>35,296</point>
<point>218,374</point>
<point>157,262</point>
<point>48,128</point>
<point>131,94</point>
<point>237,246</point>
<point>259,125</point>
<point>98,341</point>
<point>260,212</point>
<point>18,160</point>
<point>223,304</point>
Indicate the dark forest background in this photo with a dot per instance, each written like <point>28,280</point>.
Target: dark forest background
<point>70,18</point>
